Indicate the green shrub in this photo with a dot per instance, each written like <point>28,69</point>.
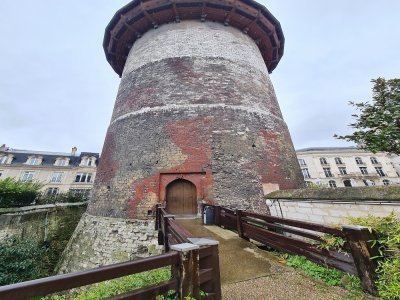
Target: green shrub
<point>388,242</point>
<point>330,276</point>
<point>20,260</point>
<point>15,193</point>
<point>124,284</point>
<point>60,198</point>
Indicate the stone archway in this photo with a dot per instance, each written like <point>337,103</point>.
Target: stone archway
<point>181,197</point>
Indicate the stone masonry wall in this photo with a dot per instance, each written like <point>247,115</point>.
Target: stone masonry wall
<point>195,102</point>
<point>330,212</point>
<point>101,241</point>
<point>335,205</point>
<point>195,98</point>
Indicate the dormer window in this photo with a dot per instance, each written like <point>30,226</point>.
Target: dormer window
<point>88,161</point>
<point>3,160</point>
<point>61,162</point>
<point>34,161</point>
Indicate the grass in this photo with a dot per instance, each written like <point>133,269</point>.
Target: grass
<point>331,277</point>
<point>115,287</point>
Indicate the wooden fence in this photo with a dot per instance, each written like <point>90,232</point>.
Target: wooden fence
<point>192,270</point>
<point>306,239</point>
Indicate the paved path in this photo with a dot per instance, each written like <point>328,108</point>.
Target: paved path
<point>248,272</point>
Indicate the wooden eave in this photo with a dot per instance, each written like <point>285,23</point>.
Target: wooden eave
<point>134,19</point>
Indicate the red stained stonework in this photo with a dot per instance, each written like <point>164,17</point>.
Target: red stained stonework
<point>108,167</point>
<point>192,137</point>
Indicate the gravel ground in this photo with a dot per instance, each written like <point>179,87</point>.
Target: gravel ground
<point>283,286</point>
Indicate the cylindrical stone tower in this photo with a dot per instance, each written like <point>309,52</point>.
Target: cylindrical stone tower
<point>196,120</point>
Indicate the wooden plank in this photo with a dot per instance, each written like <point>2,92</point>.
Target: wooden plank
<point>49,285</point>
<point>205,275</point>
<point>296,223</point>
<point>150,292</point>
<point>297,247</point>
<point>284,228</point>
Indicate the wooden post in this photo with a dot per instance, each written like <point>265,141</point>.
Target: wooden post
<point>239,224</point>
<point>217,215</point>
<point>189,284</point>
<point>213,263</point>
<point>157,222</point>
<point>165,232</point>
<point>358,238</point>
<point>203,207</point>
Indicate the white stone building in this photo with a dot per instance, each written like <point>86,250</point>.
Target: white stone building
<point>348,166</point>
<point>59,172</point>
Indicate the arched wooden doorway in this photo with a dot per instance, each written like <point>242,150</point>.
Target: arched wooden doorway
<point>181,198</point>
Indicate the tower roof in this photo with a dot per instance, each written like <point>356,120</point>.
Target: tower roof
<point>137,17</point>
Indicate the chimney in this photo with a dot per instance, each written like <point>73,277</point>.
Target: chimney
<point>73,151</point>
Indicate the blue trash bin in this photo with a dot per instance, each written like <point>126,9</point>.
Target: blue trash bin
<point>208,215</point>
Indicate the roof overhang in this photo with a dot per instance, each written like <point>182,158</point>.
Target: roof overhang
<point>137,17</point>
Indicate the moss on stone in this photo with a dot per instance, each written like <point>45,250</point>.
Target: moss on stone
<point>347,193</point>
<point>120,256</point>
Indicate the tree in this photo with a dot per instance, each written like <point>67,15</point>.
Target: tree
<point>378,123</point>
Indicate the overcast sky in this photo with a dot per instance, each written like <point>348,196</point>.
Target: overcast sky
<point>57,89</point>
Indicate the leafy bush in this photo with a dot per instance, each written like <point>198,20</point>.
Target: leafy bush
<point>15,193</point>
<point>20,260</point>
<point>387,231</point>
<point>388,241</point>
<point>61,198</point>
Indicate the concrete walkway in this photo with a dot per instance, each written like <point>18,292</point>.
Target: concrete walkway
<point>248,272</point>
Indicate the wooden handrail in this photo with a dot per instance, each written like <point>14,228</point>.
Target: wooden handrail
<point>58,283</point>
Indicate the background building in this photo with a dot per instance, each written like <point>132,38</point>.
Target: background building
<point>59,172</point>
<point>347,166</point>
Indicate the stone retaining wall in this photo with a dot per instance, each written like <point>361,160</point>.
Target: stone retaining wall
<point>334,206</point>
<point>101,241</point>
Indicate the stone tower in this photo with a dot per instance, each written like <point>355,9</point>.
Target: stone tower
<point>196,120</point>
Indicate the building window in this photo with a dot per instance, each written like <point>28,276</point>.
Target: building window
<point>338,161</point>
<point>61,162</point>
<point>52,191</point>
<point>342,170</point>
<point>369,182</point>
<point>80,192</point>
<point>27,176</point>
<point>332,183</point>
<point>3,160</point>
<point>56,177</point>
<point>305,172</point>
<point>34,161</point>
<point>386,182</point>
<point>380,171</point>
<point>359,161</point>
<point>1,172</point>
<point>347,183</point>
<point>83,177</point>
<point>88,161</point>
<point>374,160</point>
<point>302,162</point>
<point>323,161</point>
<point>328,172</point>
<point>364,170</point>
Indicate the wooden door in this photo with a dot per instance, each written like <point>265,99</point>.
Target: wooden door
<point>181,198</point>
